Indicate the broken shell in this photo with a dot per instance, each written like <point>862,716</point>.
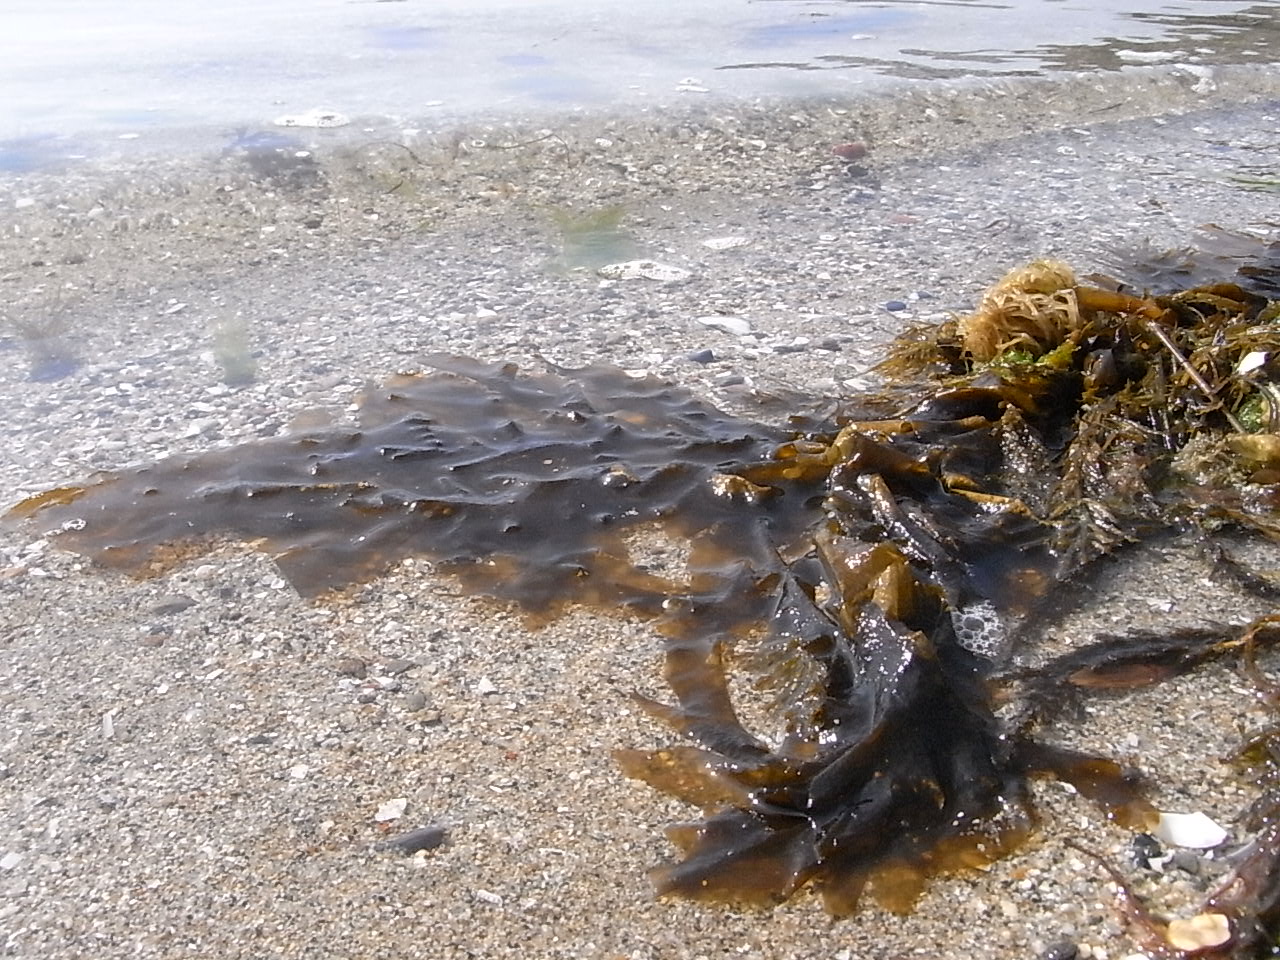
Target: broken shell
<point>735,325</point>
<point>643,270</point>
<point>1189,830</point>
<point>391,810</point>
<point>1203,931</point>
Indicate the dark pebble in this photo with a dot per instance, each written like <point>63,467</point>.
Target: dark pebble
<point>173,603</point>
<point>925,295</point>
<point>424,838</point>
<point>1063,950</point>
<point>397,667</point>
<point>260,740</point>
<point>1143,849</point>
<point>829,344</point>
<point>730,380</point>
<point>895,305</point>
<point>702,356</point>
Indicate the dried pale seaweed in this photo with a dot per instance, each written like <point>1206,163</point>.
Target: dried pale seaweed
<point>883,562</point>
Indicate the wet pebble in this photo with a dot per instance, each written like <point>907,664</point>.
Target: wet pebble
<point>895,306</point>
<point>702,356</point>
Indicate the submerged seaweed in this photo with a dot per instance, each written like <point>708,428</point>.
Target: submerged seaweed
<point>882,563</point>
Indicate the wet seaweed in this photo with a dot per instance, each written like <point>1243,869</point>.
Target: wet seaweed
<point>881,564</point>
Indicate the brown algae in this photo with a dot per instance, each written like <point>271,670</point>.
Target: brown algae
<point>880,564</point>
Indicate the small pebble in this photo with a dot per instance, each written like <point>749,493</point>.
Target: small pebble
<point>702,356</point>
<point>397,667</point>
<point>1062,950</point>
<point>894,306</point>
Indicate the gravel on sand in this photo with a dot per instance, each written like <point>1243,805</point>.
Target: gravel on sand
<point>204,764</point>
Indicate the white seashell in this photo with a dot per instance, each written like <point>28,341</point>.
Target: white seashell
<point>643,270</point>
<point>391,810</point>
<point>1189,830</point>
<point>313,118</point>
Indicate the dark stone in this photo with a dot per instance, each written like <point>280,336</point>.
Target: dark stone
<point>893,306</point>
<point>1062,950</point>
<point>702,356</point>
<point>424,838</point>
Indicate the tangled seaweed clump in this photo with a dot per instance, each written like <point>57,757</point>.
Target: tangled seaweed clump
<point>879,564</point>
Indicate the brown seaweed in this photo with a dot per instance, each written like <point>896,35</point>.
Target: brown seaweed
<point>881,563</point>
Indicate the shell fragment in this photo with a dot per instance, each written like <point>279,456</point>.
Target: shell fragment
<point>1189,830</point>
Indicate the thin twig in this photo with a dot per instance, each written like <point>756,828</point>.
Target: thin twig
<point>1155,329</point>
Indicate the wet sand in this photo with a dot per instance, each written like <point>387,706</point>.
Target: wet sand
<point>193,764</point>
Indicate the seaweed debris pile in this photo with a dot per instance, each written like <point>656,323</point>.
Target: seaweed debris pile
<point>880,566</point>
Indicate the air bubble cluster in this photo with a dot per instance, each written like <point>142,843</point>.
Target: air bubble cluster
<point>980,630</point>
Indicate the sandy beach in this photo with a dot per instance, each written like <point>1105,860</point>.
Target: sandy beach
<point>193,765</point>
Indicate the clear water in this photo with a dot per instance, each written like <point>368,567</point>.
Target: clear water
<point>71,66</point>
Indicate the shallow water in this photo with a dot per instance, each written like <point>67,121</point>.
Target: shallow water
<point>144,65</point>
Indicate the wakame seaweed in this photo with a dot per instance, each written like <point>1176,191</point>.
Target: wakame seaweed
<point>879,565</point>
